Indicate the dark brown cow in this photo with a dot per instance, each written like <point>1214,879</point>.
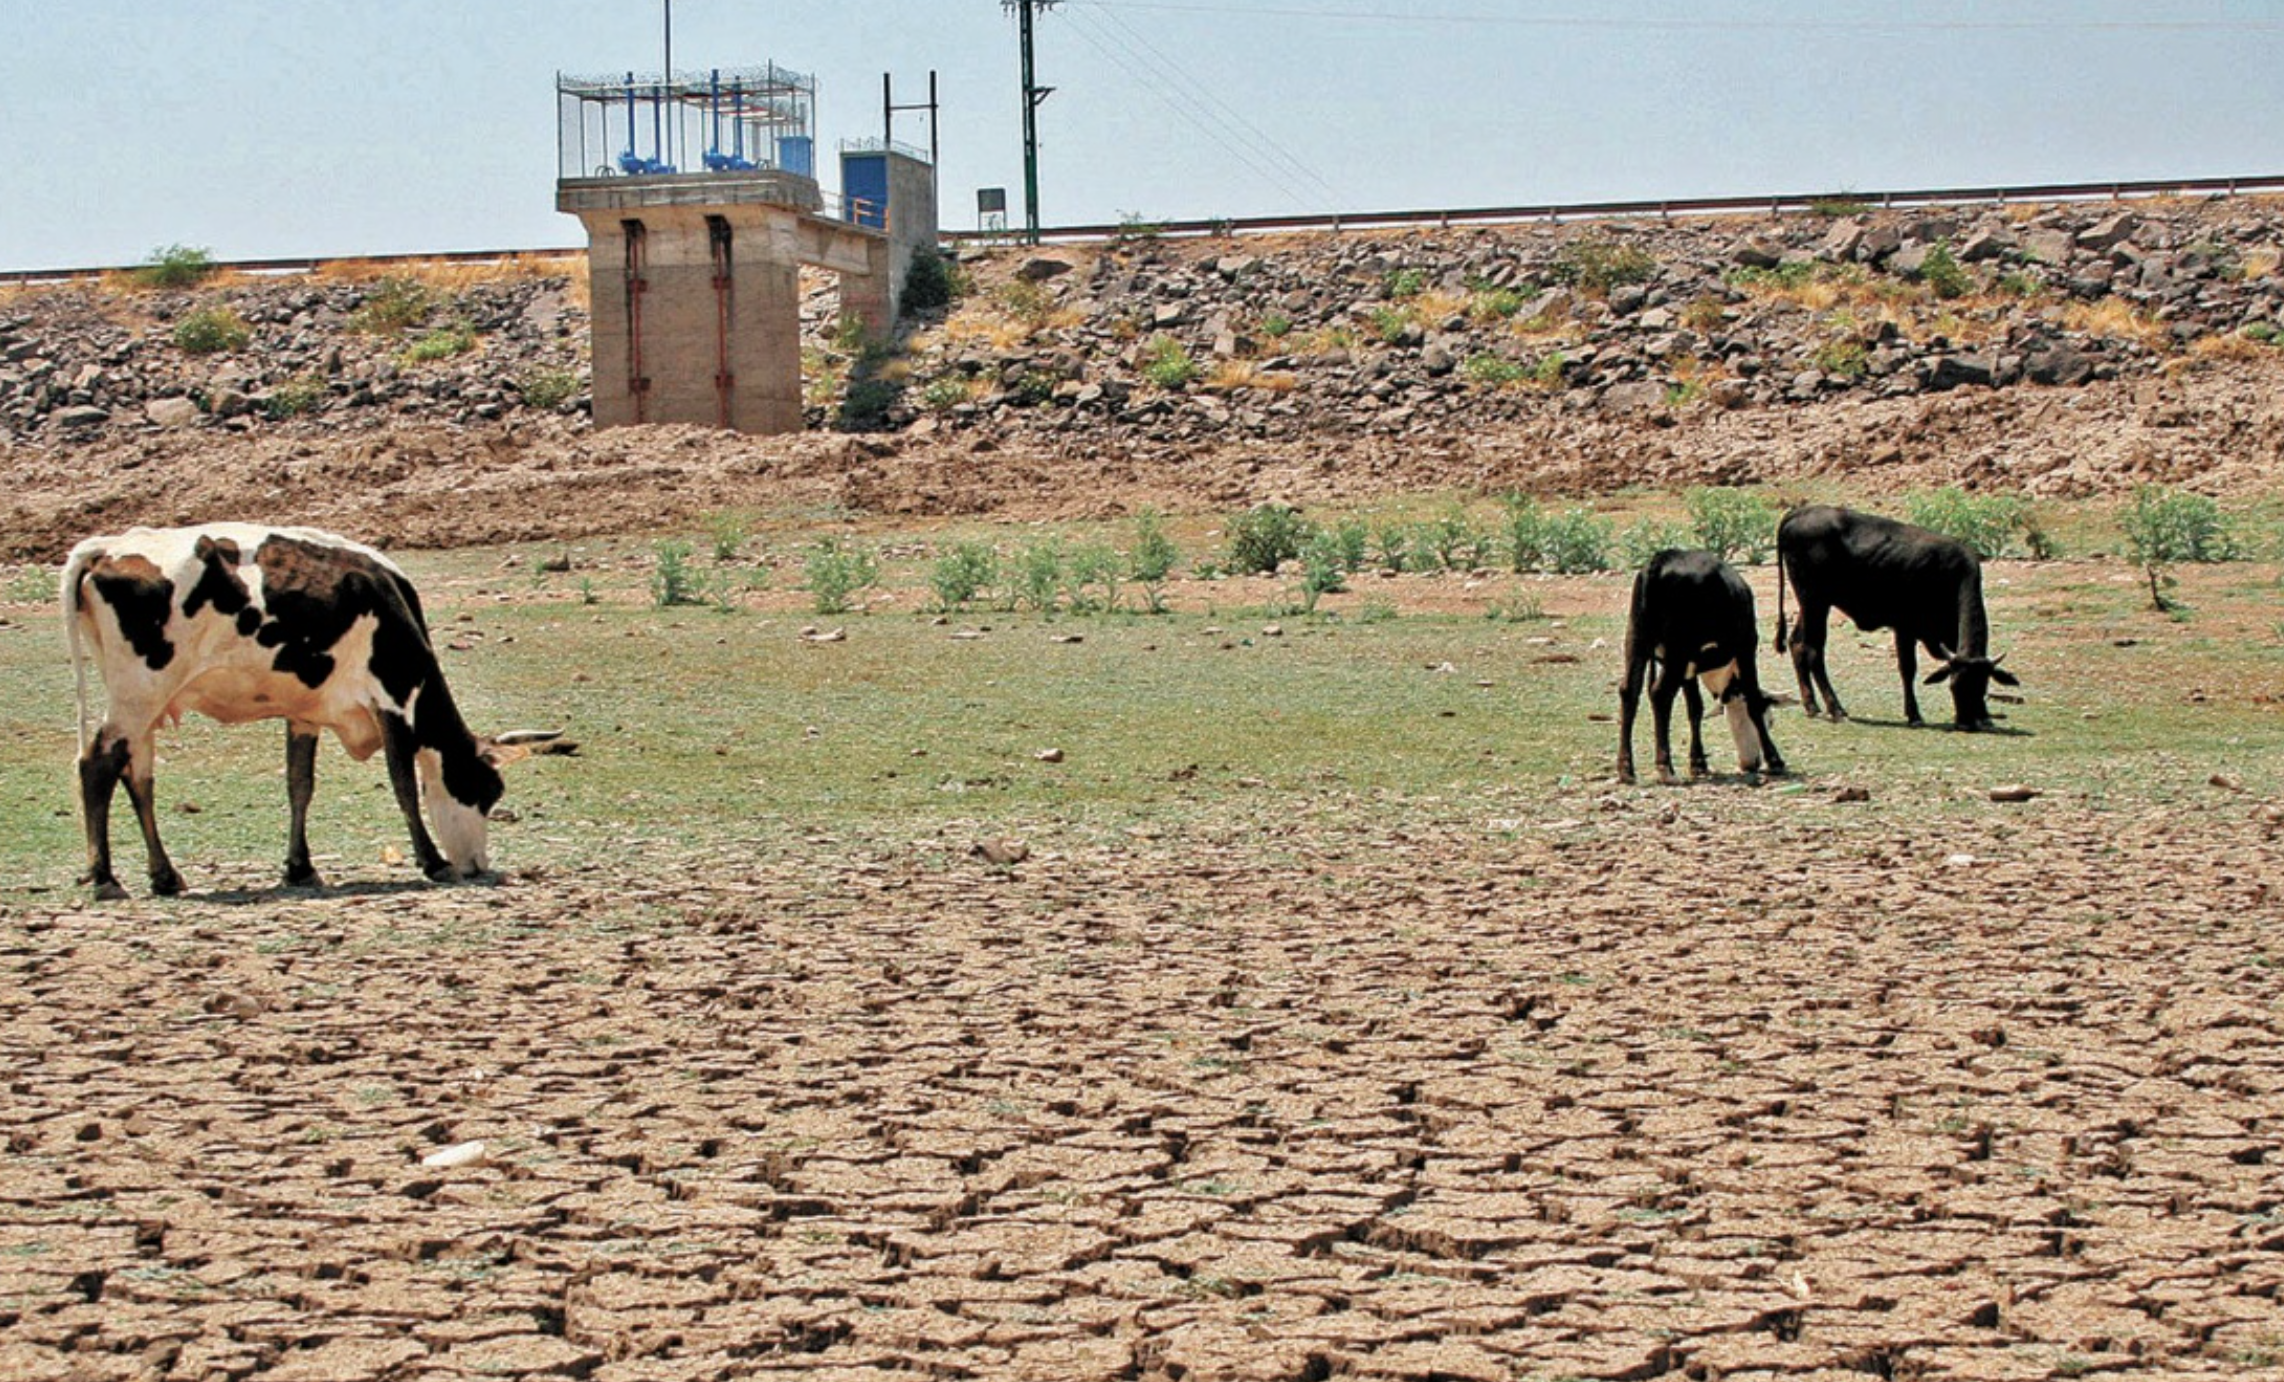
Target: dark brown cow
<point>1887,575</point>
<point>243,622</point>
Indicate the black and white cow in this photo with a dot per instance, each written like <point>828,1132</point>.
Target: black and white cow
<point>1692,617</point>
<point>244,622</point>
<point>1887,575</point>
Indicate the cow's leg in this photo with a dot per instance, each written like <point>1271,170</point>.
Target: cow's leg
<point>398,743</point>
<point>1907,660</point>
<point>1629,699</point>
<point>1698,767</point>
<point>1808,660</point>
<point>301,785</point>
<point>142,789</point>
<point>100,769</point>
<point>1661,719</point>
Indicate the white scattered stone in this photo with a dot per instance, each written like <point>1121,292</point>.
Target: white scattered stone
<point>459,1154</point>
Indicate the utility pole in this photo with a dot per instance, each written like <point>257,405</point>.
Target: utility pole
<point>1033,94</point>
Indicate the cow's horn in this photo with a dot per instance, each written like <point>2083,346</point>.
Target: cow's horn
<point>527,736</point>
<point>1999,659</point>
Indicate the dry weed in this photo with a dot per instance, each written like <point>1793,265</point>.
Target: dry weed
<point>2117,319</point>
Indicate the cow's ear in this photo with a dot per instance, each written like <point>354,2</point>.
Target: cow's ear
<point>2003,677</point>
<point>1942,673</point>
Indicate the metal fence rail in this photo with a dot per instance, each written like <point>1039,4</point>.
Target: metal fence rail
<point>1358,220</point>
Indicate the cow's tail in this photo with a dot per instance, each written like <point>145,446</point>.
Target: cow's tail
<point>74,568</point>
<point>1781,640</point>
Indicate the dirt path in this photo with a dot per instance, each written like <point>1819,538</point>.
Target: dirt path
<point>1370,1094</point>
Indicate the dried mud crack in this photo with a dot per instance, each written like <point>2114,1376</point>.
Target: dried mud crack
<point>1400,1097</point>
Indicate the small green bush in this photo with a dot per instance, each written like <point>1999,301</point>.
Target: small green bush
<point>1451,542</point>
<point>294,397</point>
<point>725,533</point>
<point>548,389</point>
<point>1406,283</point>
<point>1596,265</point>
<point>1732,524</point>
<point>1495,304</point>
<point>1091,574</point>
<point>1942,272</point>
<point>1265,537</point>
<point>867,402</point>
<point>931,280</point>
<point>1492,371</point>
<point>838,570</point>
<point>1525,524</point>
<point>963,575</point>
<point>1576,540</point>
<point>944,393</point>
<point>176,266</point>
<point>1322,570</point>
<point>672,580</point>
<point>1547,373</point>
<point>1153,558</point>
<point>1845,358</point>
<point>1038,576</point>
<point>1277,325</point>
<point>1390,323</point>
<point>1390,546</point>
<point>1986,523</point>
<point>1350,538</point>
<point>392,306</point>
<point>211,331</point>
<point>2166,527</point>
<point>1166,363</point>
<point>443,343</point>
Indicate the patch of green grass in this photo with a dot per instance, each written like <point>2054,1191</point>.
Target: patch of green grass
<point>176,266</point>
<point>392,306</point>
<point>443,343</point>
<point>1168,364</point>
<point>211,331</point>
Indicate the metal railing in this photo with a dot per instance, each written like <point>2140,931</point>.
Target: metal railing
<point>1360,220</point>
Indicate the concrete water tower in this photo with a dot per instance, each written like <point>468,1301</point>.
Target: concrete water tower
<point>700,198</point>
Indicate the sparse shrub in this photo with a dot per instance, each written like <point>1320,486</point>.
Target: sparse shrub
<point>1322,571</point>
<point>441,344</point>
<point>1166,363</point>
<point>1492,371</point>
<point>1266,536</point>
<point>838,570</point>
<point>211,331</point>
<point>945,393</point>
<point>1732,524</point>
<point>1038,580</point>
<point>1406,283</point>
<point>1843,358</point>
<point>1522,607</point>
<point>1985,523</point>
<point>1942,272</point>
<point>1547,373</point>
<point>1350,537</point>
<point>1525,524</point>
<point>2166,527</point>
<point>1390,323</point>
<point>1152,559</point>
<point>1495,304</point>
<point>1451,541</point>
<point>962,575</point>
<point>547,389</point>
<point>1595,265</point>
<point>672,581</point>
<point>1576,540</point>
<point>1389,544</point>
<point>1646,537</point>
<point>294,397</point>
<point>176,266</point>
<point>726,532</point>
<point>1090,577</point>
<point>1276,325</point>
<point>1705,312</point>
<point>392,306</point>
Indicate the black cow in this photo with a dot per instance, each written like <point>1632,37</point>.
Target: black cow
<point>1693,616</point>
<point>1887,575</point>
<point>243,622</point>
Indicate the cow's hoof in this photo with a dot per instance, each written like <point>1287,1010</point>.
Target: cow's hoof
<point>110,891</point>
<point>166,884</point>
<point>1626,777</point>
<point>1666,778</point>
<point>1777,769</point>
<point>303,878</point>
<point>440,873</point>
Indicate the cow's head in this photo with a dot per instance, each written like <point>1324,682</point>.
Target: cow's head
<point>1971,679</point>
<point>1747,708</point>
<point>462,790</point>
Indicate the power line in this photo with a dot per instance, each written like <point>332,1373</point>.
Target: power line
<point>1728,25</point>
<point>1261,141</point>
<point>1262,158</point>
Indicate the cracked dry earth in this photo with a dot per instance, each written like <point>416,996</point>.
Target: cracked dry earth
<point>1709,1083</point>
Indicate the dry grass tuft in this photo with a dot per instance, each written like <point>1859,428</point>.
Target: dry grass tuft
<point>2117,319</point>
<point>2229,346</point>
<point>986,325</point>
<point>1228,376</point>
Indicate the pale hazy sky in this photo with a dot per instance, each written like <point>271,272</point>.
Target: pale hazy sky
<point>259,128</point>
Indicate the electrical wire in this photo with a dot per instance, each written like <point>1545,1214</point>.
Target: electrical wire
<point>1117,51</point>
<point>1727,25</point>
